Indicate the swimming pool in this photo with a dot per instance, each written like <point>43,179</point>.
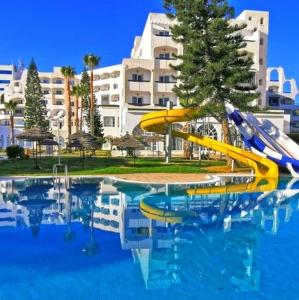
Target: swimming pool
<point>98,238</point>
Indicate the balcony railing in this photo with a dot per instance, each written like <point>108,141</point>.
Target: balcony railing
<point>138,104</point>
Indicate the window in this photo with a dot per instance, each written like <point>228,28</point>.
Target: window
<point>274,101</point>
<point>115,86</point>
<point>164,78</point>
<point>262,21</point>
<point>59,92</point>
<point>261,41</point>
<point>261,61</point>
<point>137,100</point>
<point>109,121</point>
<point>1,89</point>
<point>5,81</point>
<point>249,18</point>
<point>164,33</point>
<point>260,81</point>
<point>5,72</point>
<point>163,101</point>
<point>58,81</point>
<point>137,77</point>
<point>115,212</point>
<point>105,99</point>
<point>164,55</point>
<point>115,201</point>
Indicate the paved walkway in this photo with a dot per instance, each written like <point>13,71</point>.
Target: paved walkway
<point>164,178</point>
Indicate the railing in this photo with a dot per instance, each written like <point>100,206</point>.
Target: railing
<point>56,177</point>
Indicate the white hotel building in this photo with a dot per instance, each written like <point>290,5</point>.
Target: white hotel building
<point>143,83</point>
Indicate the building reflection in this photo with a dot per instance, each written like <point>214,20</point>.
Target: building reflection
<point>171,233</point>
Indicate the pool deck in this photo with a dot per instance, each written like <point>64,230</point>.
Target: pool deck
<point>170,178</point>
<point>163,178</point>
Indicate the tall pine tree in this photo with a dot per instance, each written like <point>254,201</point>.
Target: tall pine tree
<point>35,108</point>
<point>98,126</point>
<point>215,69</point>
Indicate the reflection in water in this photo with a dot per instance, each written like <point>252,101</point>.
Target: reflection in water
<point>173,232</point>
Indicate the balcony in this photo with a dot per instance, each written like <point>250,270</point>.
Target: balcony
<point>165,63</point>
<point>138,104</point>
<point>165,87</point>
<point>139,86</point>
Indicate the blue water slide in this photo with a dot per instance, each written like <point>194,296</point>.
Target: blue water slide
<point>252,140</point>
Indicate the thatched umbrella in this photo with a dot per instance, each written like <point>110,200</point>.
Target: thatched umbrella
<point>82,141</point>
<point>130,144</point>
<point>85,140</point>
<point>36,135</point>
<point>154,139</point>
<point>49,142</point>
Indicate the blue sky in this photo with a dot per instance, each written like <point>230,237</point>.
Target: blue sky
<point>60,32</point>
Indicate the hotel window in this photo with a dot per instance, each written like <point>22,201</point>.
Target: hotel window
<point>261,41</point>
<point>262,21</point>
<point>166,79</point>
<point>164,33</point>
<point>5,81</point>
<point>164,56</point>
<point>261,61</point>
<point>163,101</point>
<point>58,81</point>
<point>5,72</point>
<point>105,99</point>
<point>115,86</point>
<point>137,77</point>
<point>274,101</point>
<point>249,18</point>
<point>109,121</point>
<point>137,100</point>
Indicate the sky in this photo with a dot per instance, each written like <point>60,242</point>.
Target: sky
<point>60,32</point>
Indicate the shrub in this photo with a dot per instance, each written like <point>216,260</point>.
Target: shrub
<point>15,151</point>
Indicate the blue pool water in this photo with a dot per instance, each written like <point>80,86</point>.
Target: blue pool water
<point>102,239</point>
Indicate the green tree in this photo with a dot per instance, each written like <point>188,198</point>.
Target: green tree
<point>86,104</point>
<point>85,99</point>
<point>68,73</point>
<point>214,68</point>
<point>78,92</point>
<point>91,61</point>
<point>35,107</point>
<point>11,106</point>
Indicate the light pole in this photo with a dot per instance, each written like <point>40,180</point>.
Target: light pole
<point>57,118</point>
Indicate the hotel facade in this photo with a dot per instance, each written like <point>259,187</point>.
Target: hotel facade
<point>144,82</point>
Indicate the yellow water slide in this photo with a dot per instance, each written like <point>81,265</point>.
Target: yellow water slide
<point>157,122</point>
<point>258,185</point>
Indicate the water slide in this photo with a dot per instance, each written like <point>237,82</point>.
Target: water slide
<point>154,212</point>
<point>266,139</point>
<point>158,121</point>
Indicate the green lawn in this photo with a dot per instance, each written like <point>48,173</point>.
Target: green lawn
<point>98,166</point>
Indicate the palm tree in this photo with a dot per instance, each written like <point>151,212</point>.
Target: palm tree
<point>68,73</point>
<point>11,106</point>
<point>91,61</point>
<point>77,91</point>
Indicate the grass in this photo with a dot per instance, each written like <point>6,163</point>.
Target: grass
<point>99,166</point>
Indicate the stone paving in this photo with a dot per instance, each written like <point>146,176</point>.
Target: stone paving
<point>164,178</point>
